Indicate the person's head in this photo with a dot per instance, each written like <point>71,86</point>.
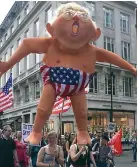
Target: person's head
<point>105,140</point>
<point>63,139</point>
<point>7,131</point>
<point>98,135</point>
<point>73,26</point>
<point>71,137</point>
<point>19,135</point>
<point>52,137</point>
<point>45,136</point>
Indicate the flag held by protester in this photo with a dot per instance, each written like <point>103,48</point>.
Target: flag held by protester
<point>116,144</point>
<point>6,95</point>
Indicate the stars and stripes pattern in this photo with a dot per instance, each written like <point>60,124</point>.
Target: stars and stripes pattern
<point>66,81</point>
<point>58,106</point>
<point>6,95</point>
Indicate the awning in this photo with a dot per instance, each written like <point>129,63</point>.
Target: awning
<point>10,121</point>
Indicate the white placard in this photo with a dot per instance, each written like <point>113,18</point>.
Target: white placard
<point>111,127</point>
<point>26,130</point>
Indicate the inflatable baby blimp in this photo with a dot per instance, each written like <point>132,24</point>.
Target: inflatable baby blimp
<point>69,63</point>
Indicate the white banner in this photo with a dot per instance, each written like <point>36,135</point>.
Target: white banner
<point>111,127</point>
<point>26,130</point>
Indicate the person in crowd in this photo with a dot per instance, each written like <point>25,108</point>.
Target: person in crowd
<point>51,155</point>
<point>63,144</point>
<point>134,146</point>
<point>103,153</point>
<point>70,140</point>
<point>96,139</point>
<point>66,135</point>
<point>44,139</point>
<point>80,156</point>
<point>8,154</point>
<point>21,150</point>
<point>127,136</point>
<point>34,149</point>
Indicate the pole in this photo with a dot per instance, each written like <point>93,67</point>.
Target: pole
<point>136,21</point>
<point>60,123</point>
<point>111,110</point>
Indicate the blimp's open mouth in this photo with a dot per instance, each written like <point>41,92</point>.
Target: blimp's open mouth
<point>75,27</point>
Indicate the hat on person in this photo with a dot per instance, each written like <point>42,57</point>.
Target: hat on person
<point>105,137</point>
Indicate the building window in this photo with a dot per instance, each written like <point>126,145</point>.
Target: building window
<point>5,37</point>
<point>36,28</point>
<point>37,56</point>
<point>126,50</point>
<point>17,69</point>
<point>91,7</point>
<point>36,90</point>
<point>109,44</point>
<point>93,85</point>
<point>11,50</point>
<point>26,10</point>
<point>18,42</point>
<point>1,43</point>
<point>36,34</point>
<point>4,79</point>
<point>6,58</point>
<point>108,84</point>
<point>26,59</point>
<point>124,22</point>
<point>48,15</point>
<point>127,86</point>
<point>26,94</point>
<point>18,65</point>
<point>18,21</point>
<point>35,2</point>
<point>92,10</point>
<point>18,97</point>
<point>11,29</point>
<point>108,17</point>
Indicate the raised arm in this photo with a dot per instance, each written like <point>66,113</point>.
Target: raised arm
<point>103,55</point>
<point>28,45</point>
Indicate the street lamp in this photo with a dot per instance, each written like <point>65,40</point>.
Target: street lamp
<point>111,110</point>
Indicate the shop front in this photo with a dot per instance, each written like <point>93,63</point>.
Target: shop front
<point>98,120</point>
<point>14,122</point>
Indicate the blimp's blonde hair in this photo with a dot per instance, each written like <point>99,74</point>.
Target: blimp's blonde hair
<point>68,6</point>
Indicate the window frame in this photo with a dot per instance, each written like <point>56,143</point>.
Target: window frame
<point>112,42</point>
<point>128,58</point>
<point>129,86</point>
<point>107,84</point>
<point>93,85</point>
<point>127,22</point>
<point>111,14</point>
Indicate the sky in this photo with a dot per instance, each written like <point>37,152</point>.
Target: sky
<point>4,8</point>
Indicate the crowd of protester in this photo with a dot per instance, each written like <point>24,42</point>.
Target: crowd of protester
<point>57,150</point>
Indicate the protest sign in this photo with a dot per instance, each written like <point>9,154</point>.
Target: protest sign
<point>26,130</point>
